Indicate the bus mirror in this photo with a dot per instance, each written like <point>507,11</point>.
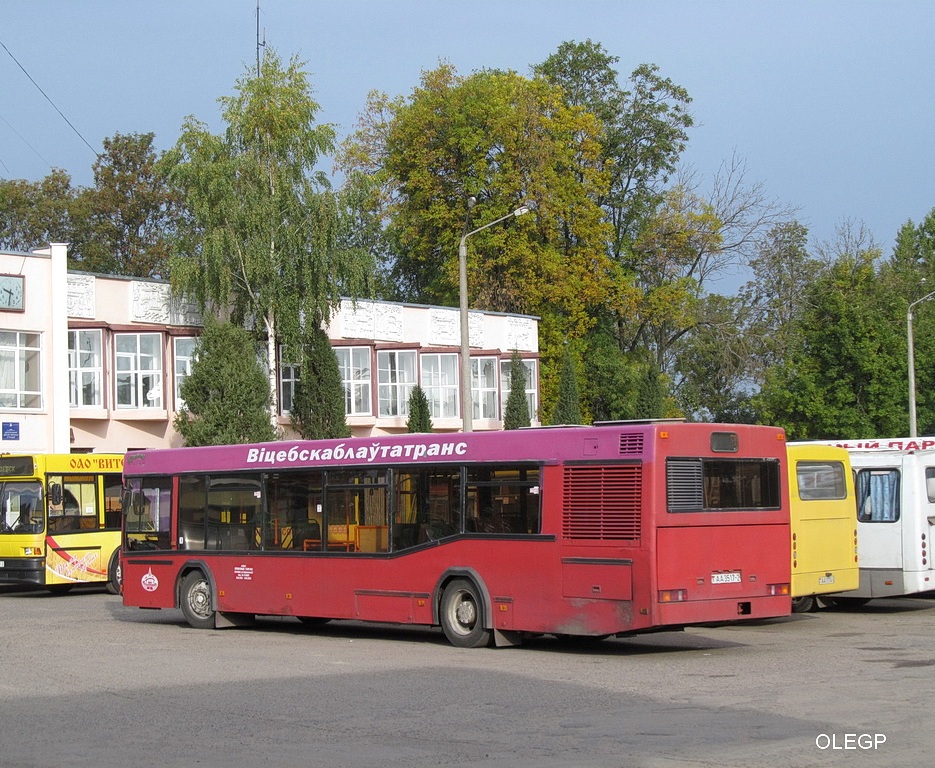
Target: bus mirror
<point>55,494</point>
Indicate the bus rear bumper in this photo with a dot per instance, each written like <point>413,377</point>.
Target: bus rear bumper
<point>708,611</point>
<point>22,570</point>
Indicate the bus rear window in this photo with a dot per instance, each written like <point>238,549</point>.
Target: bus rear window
<point>820,480</point>
<point>711,485</point>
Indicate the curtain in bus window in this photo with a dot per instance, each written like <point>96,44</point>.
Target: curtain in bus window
<point>878,495</point>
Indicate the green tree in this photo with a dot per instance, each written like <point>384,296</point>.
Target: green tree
<point>318,405</point>
<point>844,376</point>
<point>644,129</point>
<point>131,214</point>
<point>33,214</point>
<point>516,412</point>
<point>502,139</point>
<point>226,398</point>
<point>568,405</point>
<point>420,415</point>
<point>651,394</point>
<point>265,225</point>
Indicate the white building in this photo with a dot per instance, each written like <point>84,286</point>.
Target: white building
<point>93,362</point>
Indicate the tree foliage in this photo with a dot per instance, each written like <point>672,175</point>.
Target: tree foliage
<point>420,414</point>
<point>318,405</point>
<point>844,373</point>
<point>265,226</point>
<point>516,411</point>
<point>32,214</point>
<point>568,405</point>
<point>130,215</point>
<point>226,397</point>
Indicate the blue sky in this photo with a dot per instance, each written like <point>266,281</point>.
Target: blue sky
<point>830,103</point>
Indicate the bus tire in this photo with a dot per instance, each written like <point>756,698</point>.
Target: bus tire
<point>845,602</point>
<point>462,617</point>
<point>804,604</point>
<point>113,573</point>
<point>196,599</point>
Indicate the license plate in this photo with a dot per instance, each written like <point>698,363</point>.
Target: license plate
<point>733,577</point>
<point>829,579</point>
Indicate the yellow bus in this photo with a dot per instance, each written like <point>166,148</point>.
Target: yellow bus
<point>60,518</point>
<point>824,524</point>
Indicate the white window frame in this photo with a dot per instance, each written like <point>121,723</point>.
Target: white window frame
<point>21,377</point>
<point>290,374</point>
<point>397,376</point>
<point>183,361</point>
<point>355,364</point>
<point>439,372</point>
<point>484,400</point>
<point>139,368</point>
<point>85,367</point>
<point>532,386</point>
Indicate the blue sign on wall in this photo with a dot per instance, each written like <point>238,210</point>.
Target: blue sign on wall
<point>10,430</point>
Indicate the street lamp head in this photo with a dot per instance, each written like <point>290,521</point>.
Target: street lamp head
<point>521,210</point>
<point>471,202</point>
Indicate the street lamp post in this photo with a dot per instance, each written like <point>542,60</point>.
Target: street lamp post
<point>913,428</point>
<point>467,406</point>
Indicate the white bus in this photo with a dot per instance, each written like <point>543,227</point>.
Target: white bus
<point>894,482</point>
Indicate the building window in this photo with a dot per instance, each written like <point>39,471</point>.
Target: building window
<point>185,354</point>
<point>440,382</point>
<point>532,390</point>
<point>354,363</point>
<point>289,376</point>
<point>85,369</point>
<point>20,374</point>
<point>397,377</point>
<point>484,387</point>
<point>139,370</point>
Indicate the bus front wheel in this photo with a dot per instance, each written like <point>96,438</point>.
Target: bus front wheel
<point>461,615</point>
<point>196,601</point>
<point>113,573</point>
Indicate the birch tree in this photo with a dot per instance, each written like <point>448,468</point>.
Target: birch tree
<point>264,223</point>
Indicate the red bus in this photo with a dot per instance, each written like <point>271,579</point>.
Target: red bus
<point>573,531</point>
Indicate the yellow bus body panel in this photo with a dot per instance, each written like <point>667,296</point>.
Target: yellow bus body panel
<point>824,531</point>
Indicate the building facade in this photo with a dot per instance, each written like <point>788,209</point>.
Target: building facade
<point>94,362</point>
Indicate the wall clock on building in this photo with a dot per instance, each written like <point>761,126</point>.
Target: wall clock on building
<point>11,292</point>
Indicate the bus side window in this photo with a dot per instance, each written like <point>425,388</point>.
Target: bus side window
<point>878,495</point>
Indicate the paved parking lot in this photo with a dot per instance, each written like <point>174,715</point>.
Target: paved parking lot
<point>88,682</point>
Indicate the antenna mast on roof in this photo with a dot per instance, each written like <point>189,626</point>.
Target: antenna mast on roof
<point>258,43</point>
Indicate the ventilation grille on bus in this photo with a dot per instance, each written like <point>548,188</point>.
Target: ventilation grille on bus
<point>602,502</point>
<point>684,485</point>
<point>631,443</point>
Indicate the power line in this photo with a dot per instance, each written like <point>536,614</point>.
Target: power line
<point>77,132</point>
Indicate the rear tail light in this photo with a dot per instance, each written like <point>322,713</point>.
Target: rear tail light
<point>776,590</point>
<point>673,595</point>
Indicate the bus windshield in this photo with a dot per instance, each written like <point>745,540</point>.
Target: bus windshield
<point>21,505</point>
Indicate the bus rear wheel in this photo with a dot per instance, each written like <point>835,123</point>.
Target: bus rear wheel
<point>196,601</point>
<point>804,604</point>
<point>461,615</point>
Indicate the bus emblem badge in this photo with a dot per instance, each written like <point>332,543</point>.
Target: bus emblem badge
<point>149,581</point>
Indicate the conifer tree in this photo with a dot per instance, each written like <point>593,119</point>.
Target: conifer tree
<point>420,416</point>
<point>516,414</point>
<point>226,396</point>
<point>318,406</point>
<point>568,405</point>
